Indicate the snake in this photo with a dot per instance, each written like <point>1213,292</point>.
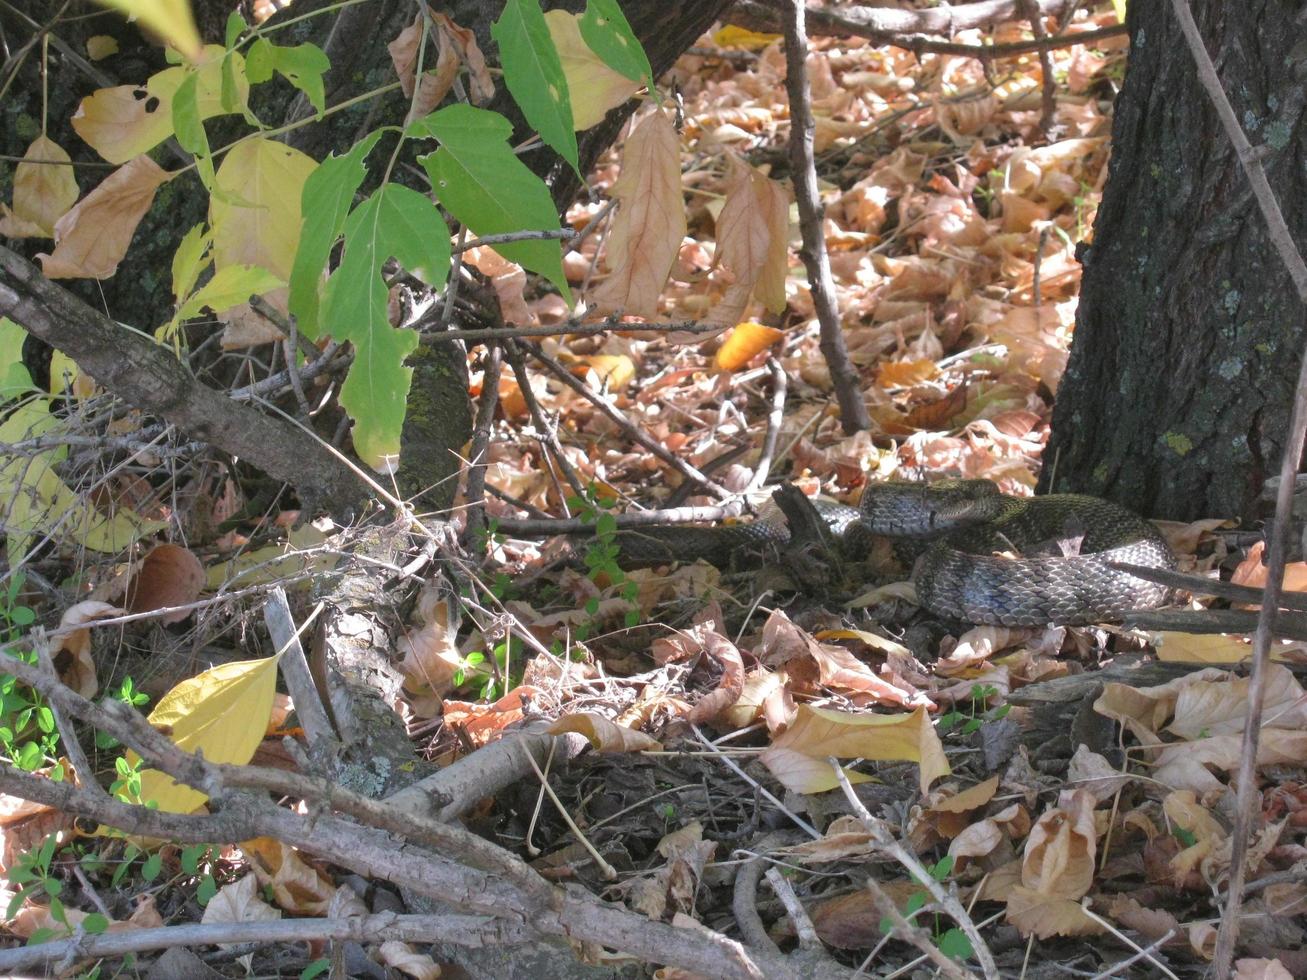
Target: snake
<point>985,557</point>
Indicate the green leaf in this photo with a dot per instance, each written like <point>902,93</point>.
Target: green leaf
<point>605,29</point>
<point>229,286</point>
<point>15,379</point>
<point>486,187</point>
<point>152,866</point>
<point>954,943</point>
<point>315,969</point>
<point>534,75</point>
<point>189,127</point>
<point>259,61</point>
<point>394,222</point>
<point>189,261</point>
<point>206,890</point>
<point>328,195</point>
<point>235,28</point>
<point>95,923</point>
<point>303,66</point>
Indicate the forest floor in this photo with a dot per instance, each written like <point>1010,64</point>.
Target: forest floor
<point>1069,787</point>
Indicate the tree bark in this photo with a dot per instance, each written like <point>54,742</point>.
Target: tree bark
<point>1177,394</point>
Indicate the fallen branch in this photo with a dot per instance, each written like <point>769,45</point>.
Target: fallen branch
<point>149,376</point>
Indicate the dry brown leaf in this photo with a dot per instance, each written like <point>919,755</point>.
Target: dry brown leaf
<point>650,222</point>
<point>483,723</point>
<point>45,187</point>
<point>239,902</point>
<point>1253,573</point>
<point>1260,969</point>
<point>429,655</point>
<point>1060,851</point>
<point>169,575</point>
<point>751,242</point>
<point>92,238</point>
<point>604,734</point>
<point>401,956</point>
<point>508,279</point>
<point>1036,914</point>
<point>297,885</point>
<point>1201,648</point>
<point>728,690</point>
<point>74,636</point>
<point>799,757</point>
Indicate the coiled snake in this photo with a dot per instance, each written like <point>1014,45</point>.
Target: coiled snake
<point>966,571</point>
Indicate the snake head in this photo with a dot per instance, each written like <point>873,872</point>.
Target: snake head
<point>928,510</point>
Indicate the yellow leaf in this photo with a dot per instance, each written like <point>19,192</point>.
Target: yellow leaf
<point>605,735</point>
<point>301,554</point>
<point>611,371</point>
<point>746,40</point>
<point>100,47</point>
<point>92,238</point>
<point>170,19</point>
<point>798,756</point>
<point>127,120</point>
<point>650,224</point>
<point>744,343</point>
<point>905,374</point>
<point>267,178</point>
<point>594,88</point>
<point>223,712</point>
<point>37,501</point>
<point>1202,648</point>
<point>43,191</point>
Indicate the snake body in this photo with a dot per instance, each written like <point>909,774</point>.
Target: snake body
<point>971,529</point>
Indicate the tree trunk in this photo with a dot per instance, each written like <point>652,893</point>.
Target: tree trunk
<point>1177,395</point>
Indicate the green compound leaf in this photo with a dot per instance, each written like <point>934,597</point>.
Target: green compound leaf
<point>534,75</point>
<point>394,222</point>
<point>328,194</point>
<point>302,65</point>
<point>605,29</point>
<point>484,185</point>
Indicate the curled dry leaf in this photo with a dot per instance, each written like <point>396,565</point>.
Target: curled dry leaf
<point>239,902</point>
<point>1060,851</point>
<point>74,636</point>
<point>169,576</point>
<point>604,734</point>
<point>402,957</point>
<point>429,655</point>
<point>728,690</point>
<point>298,886</point>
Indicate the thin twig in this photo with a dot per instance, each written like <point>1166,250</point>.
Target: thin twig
<point>1207,586</point>
<point>1247,809</point>
<point>853,408</point>
<point>476,469</point>
<point>548,430</point>
<point>884,841</point>
<point>547,527</point>
<point>775,419</point>
<point>601,403</point>
<point>1046,116</point>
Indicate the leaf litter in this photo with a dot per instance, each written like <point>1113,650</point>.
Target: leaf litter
<point>707,696</point>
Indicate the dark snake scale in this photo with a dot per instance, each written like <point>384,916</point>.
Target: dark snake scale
<point>988,557</point>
